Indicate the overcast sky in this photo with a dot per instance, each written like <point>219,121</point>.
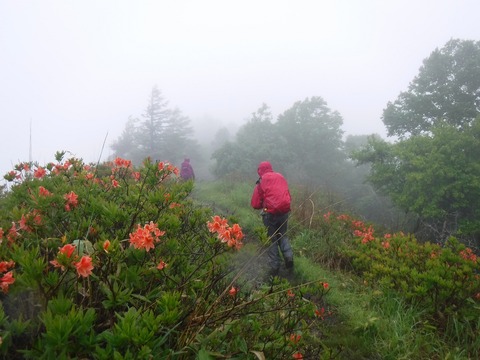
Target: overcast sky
<point>76,70</point>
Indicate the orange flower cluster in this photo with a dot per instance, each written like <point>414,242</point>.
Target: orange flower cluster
<point>167,167</point>
<point>136,175</point>
<point>117,166</point>
<point>7,278</point>
<point>122,163</point>
<point>12,235</point>
<point>39,172</point>
<point>468,254</point>
<point>43,192</point>
<point>146,237</point>
<point>64,259</point>
<point>327,216</point>
<point>295,338</point>
<point>232,236</point>
<point>58,168</point>
<point>359,228</point>
<point>71,200</point>
<point>365,233</point>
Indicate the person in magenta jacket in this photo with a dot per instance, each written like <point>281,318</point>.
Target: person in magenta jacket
<point>186,170</point>
<point>272,195</point>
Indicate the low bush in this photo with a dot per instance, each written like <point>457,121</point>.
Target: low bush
<point>110,261</point>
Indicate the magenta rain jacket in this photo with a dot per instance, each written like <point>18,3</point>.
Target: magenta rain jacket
<point>271,194</point>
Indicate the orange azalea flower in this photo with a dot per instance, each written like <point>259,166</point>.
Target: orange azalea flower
<point>297,355</point>
<point>119,162</point>
<point>325,285</point>
<point>43,192</point>
<point>144,238</point>
<point>5,265</point>
<point>13,175</point>
<point>13,233</point>
<point>386,244</point>
<point>6,281</point>
<point>468,254</point>
<point>357,233</point>
<point>39,173</point>
<point>343,217</point>
<point>148,241</point>
<point>84,266</point>
<point>161,265</point>
<point>26,166</point>
<point>290,293</point>
<point>217,224</point>
<point>295,338</point>
<point>232,236</point>
<point>233,291</point>
<point>236,231</point>
<point>37,217</point>
<point>358,224</point>
<point>106,245</point>
<point>136,175</point>
<point>72,198</point>
<point>152,227</point>
<point>115,183</point>
<point>67,250</point>
<point>22,224</point>
<point>174,170</point>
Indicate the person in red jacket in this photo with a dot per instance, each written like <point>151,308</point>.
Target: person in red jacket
<point>271,194</point>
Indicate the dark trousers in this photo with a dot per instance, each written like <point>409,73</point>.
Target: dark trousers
<point>277,225</point>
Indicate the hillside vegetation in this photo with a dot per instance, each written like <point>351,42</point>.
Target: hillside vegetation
<point>390,297</point>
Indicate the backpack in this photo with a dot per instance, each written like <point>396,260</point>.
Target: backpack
<point>186,171</point>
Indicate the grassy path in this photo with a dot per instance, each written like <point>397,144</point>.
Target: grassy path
<point>363,323</point>
<point>349,319</point>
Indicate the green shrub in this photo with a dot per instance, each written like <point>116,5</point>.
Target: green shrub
<point>111,261</point>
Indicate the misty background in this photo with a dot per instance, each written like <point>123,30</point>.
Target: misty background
<point>75,71</point>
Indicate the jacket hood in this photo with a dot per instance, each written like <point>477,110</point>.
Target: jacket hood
<point>264,167</point>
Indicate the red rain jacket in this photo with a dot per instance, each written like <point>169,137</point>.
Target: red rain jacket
<point>271,193</point>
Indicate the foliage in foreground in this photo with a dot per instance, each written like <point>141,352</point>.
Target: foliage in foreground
<point>112,261</point>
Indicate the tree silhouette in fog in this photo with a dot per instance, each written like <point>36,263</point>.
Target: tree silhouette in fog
<point>162,133</point>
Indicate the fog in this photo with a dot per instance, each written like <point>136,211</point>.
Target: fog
<point>74,71</point>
